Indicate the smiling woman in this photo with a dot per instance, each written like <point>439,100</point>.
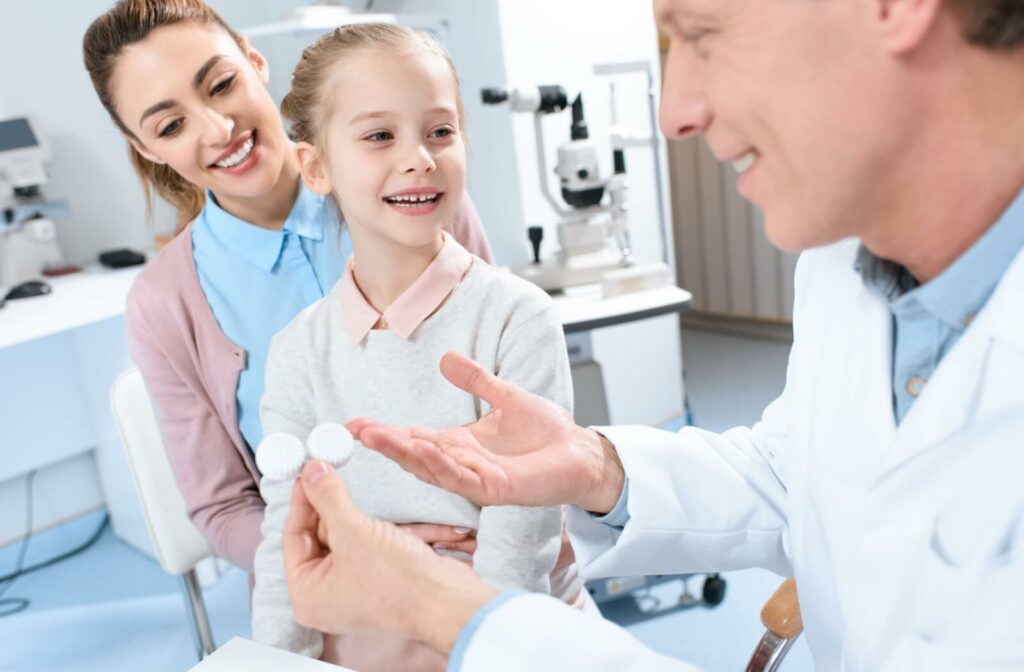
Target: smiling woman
<point>253,246</point>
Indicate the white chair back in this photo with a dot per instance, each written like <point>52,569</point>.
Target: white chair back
<point>179,545</point>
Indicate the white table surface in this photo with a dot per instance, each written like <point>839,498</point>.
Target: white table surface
<point>243,655</point>
<point>79,299</point>
<point>584,308</point>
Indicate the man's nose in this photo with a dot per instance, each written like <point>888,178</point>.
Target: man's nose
<point>684,106</point>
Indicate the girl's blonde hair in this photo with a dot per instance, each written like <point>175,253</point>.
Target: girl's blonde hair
<point>126,23</point>
<point>306,105</point>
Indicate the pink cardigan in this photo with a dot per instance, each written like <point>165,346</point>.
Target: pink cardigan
<point>191,371</point>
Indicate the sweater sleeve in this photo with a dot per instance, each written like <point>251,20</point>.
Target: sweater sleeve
<point>221,497</point>
<point>516,545</point>
<point>284,408</point>
<point>469,231</point>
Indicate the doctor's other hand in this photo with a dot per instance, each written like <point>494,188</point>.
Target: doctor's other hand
<point>404,589</point>
<point>527,450</point>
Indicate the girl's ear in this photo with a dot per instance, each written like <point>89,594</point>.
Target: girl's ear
<point>313,168</point>
<point>146,154</point>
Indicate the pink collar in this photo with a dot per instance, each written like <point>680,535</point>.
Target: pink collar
<point>416,304</point>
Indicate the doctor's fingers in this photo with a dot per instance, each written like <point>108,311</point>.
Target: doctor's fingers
<point>328,495</point>
<point>467,375</point>
<point>299,539</point>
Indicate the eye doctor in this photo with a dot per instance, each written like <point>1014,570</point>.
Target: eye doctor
<point>884,138</point>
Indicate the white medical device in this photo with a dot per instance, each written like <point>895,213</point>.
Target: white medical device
<point>593,232</point>
<point>28,234</point>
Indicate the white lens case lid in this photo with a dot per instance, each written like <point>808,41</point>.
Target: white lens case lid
<point>280,456</point>
<point>332,443</point>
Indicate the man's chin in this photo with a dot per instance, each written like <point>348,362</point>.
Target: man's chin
<point>791,233</point>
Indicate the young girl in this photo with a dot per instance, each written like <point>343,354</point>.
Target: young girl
<point>253,248</point>
<point>377,113</point>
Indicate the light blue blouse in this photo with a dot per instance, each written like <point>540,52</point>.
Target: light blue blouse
<point>257,280</point>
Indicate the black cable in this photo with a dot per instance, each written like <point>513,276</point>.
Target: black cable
<point>12,606</point>
<point>63,556</point>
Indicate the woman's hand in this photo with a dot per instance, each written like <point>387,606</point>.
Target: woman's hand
<point>443,537</point>
<point>369,576</point>
<point>526,451</point>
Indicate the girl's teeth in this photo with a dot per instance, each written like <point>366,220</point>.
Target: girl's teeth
<point>237,157</point>
<point>411,199</point>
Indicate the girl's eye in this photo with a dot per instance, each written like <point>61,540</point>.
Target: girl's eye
<point>223,85</point>
<point>171,128</point>
<point>443,132</point>
<point>379,136</point>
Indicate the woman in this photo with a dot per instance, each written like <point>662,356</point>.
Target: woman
<point>253,247</point>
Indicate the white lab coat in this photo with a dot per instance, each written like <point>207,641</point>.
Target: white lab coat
<point>907,542</point>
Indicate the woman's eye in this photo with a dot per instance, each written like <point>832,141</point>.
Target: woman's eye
<point>171,128</point>
<point>223,85</point>
<point>380,136</point>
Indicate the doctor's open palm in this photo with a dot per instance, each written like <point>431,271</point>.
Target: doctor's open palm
<point>524,451</point>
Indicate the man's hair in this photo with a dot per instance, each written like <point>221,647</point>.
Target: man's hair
<point>997,24</point>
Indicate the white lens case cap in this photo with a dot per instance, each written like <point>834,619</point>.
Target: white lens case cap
<point>331,443</point>
<point>280,456</point>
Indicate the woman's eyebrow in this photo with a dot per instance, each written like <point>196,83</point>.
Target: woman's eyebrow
<point>204,70</point>
<point>197,81</point>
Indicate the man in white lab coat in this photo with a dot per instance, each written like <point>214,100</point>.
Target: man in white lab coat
<point>886,138</point>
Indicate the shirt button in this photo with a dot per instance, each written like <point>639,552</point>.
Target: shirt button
<point>969,318</point>
<point>915,384</point>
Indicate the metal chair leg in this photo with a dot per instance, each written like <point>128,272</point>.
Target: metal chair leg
<point>202,635</point>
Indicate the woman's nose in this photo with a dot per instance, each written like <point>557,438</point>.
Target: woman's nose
<point>217,128</point>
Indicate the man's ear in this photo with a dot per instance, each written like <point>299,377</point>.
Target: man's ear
<point>259,63</point>
<point>904,24</point>
<point>313,168</point>
<point>146,154</point>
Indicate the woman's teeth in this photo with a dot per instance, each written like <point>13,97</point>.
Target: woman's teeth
<point>745,162</point>
<point>241,155</point>
<point>410,201</point>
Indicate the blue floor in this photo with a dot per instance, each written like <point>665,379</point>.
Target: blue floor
<point>112,608</point>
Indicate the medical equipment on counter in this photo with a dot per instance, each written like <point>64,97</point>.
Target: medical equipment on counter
<point>28,234</point>
<point>593,232</point>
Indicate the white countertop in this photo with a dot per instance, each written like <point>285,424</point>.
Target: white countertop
<point>242,655</point>
<point>95,294</point>
<point>584,308</point>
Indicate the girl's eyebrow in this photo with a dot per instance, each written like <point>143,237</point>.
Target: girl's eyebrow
<point>378,114</point>
<point>197,81</point>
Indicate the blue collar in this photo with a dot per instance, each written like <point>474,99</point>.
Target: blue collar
<point>260,246</point>
<point>961,290</point>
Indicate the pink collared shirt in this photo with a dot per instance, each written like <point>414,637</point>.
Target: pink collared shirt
<point>416,304</point>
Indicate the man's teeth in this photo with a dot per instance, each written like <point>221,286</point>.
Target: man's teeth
<point>241,155</point>
<point>411,200</point>
<point>745,162</point>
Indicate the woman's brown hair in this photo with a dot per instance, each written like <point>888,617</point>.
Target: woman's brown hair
<point>126,23</point>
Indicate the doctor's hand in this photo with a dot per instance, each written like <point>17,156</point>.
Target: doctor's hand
<point>526,451</point>
<point>369,575</point>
